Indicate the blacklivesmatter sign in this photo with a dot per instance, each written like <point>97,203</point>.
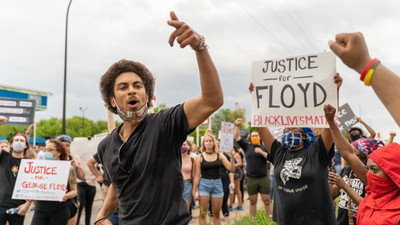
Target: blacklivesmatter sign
<point>292,92</point>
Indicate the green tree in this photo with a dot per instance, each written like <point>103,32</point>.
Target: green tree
<point>160,107</point>
<point>224,115</point>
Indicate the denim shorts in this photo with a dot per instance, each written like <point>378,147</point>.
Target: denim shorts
<point>211,187</point>
<point>187,189</point>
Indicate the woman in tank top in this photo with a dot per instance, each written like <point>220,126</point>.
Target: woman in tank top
<point>207,179</point>
<point>187,172</point>
<point>54,212</point>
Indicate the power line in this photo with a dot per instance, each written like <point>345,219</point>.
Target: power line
<point>287,28</point>
<point>264,28</point>
<point>300,28</point>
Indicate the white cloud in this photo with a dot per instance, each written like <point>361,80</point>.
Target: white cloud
<point>238,32</point>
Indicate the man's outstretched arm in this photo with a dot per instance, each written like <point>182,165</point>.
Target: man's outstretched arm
<point>211,99</point>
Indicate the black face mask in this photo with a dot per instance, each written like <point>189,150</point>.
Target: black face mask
<point>355,137</point>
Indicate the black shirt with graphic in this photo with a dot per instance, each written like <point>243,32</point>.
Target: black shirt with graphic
<point>358,187</point>
<point>301,183</point>
<point>146,170</point>
<point>256,164</point>
<point>9,167</point>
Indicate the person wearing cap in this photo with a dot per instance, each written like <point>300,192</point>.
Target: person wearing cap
<point>76,163</point>
<point>382,177</point>
<point>348,185</point>
<point>142,157</point>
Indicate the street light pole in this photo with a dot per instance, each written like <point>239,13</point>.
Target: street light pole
<point>83,116</point>
<point>65,69</point>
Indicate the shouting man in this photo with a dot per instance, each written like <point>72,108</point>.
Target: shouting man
<point>142,157</point>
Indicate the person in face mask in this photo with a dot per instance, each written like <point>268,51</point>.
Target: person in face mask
<point>187,172</point>
<point>356,133</point>
<point>257,180</point>
<point>53,212</point>
<point>207,179</point>
<point>382,177</point>
<point>127,154</point>
<point>9,168</point>
<point>348,185</point>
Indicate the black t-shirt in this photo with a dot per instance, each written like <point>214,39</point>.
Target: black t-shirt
<point>358,187</point>
<point>9,167</point>
<point>256,164</point>
<point>152,192</point>
<point>301,183</point>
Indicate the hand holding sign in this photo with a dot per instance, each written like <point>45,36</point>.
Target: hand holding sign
<point>186,35</point>
<point>351,49</point>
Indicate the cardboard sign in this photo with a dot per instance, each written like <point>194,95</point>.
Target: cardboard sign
<point>346,117</point>
<point>226,143</point>
<point>20,112</point>
<point>42,180</point>
<point>292,92</point>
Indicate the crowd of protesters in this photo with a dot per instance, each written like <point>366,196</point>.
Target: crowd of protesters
<point>151,174</point>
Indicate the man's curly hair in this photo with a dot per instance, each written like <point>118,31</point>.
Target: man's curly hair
<point>108,79</point>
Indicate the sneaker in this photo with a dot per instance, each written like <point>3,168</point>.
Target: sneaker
<point>240,208</point>
<point>230,208</point>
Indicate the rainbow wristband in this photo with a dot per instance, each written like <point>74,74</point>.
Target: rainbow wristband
<point>367,68</point>
<point>368,77</point>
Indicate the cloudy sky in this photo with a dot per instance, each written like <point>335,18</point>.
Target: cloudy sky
<point>238,32</point>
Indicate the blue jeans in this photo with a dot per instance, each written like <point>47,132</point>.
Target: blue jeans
<point>187,189</point>
<point>211,187</point>
<point>114,218</point>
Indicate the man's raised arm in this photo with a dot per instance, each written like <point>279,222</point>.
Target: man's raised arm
<point>200,108</point>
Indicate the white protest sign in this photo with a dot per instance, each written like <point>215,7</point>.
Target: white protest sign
<point>42,180</point>
<point>292,91</point>
<point>226,143</point>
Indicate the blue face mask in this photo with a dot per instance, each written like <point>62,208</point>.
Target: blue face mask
<point>291,140</point>
<point>48,156</point>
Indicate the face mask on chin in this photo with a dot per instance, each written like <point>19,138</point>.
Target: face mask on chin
<point>291,140</point>
<point>18,146</point>
<point>132,117</point>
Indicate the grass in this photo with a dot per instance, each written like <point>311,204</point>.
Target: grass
<point>261,218</point>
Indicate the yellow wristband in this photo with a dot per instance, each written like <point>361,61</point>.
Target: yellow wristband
<point>368,77</point>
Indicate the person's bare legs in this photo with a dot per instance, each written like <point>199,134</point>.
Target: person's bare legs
<point>267,203</point>
<point>216,208</point>
<point>238,192</point>
<point>188,202</point>
<point>203,202</point>
<point>253,205</point>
